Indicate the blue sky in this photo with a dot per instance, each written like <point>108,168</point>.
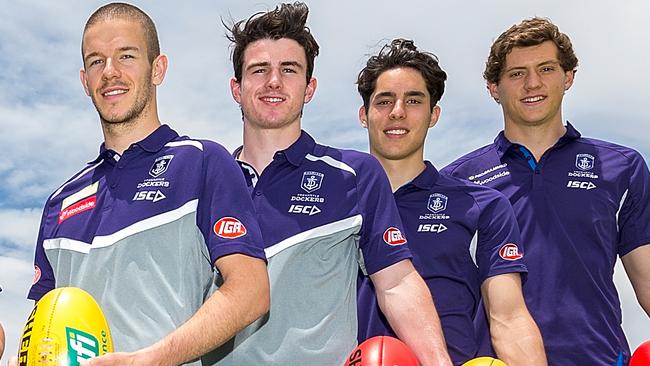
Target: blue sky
<point>48,127</point>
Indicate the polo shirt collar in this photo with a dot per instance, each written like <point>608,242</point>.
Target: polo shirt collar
<point>503,144</point>
<point>428,178</point>
<point>295,153</point>
<point>152,143</point>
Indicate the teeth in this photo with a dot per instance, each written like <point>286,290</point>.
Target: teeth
<point>396,132</point>
<point>273,100</point>
<point>115,92</point>
<point>533,99</point>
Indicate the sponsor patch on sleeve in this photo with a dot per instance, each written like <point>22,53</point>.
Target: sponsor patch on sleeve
<point>77,208</point>
<point>37,274</point>
<point>510,252</point>
<point>393,236</point>
<point>229,228</point>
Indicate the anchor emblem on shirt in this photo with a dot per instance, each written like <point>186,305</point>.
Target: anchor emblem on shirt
<point>437,202</point>
<point>311,181</point>
<point>160,165</point>
<point>584,161</point>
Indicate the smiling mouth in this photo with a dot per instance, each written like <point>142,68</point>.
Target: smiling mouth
<point>272,99</point>
<point>396,132</point>
<point>534,99</point>
<point>114,92</point>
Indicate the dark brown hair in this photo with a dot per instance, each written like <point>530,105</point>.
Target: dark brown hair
<point>402,53</point>
<point>529,32</point>
<point>285,21</point>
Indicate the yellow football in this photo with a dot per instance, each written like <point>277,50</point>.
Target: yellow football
<point>65,327</point>
<point>484,361</point>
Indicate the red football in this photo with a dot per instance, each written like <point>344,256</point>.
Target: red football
<point>382,351</point>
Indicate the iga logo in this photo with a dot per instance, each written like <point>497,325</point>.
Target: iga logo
<point>510,252</point>
<point>153,196</point>
<point>437,202</point>
<point>229,228</point>
<point>37,274</point>
<point>580,185</point>
<point>584,161</point>
<point>311,181</point>
<point>305,209</point>
<point>160,165</point>
<point>392,236</point>
<point>81,346</point>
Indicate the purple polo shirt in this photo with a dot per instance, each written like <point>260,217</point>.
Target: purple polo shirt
<point>324,213</point>
<point>583,204</point>
<point>442,215</point>
<point>141,231</point>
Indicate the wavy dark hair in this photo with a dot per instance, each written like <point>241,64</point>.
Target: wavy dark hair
<point>402,53</point>
<point>530,32</point>
<point>285,21</point>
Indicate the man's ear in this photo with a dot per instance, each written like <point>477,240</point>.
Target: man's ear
<point>363,117</point>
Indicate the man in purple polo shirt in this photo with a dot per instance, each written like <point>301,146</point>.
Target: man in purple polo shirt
<point>400,88</point>
<point>579,202</point>
<point>147,225</point>
<point>322,212</point>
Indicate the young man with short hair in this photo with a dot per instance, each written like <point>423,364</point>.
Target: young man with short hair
<point>400,88</point>
<point>144,227</point>
<point>579,202</point>
<point>318,207</point>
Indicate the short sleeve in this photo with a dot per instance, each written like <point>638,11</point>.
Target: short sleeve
<point>43,274</point>
<point>499,248</point>
<point>225,213</point>
<point>634,214</point>
<point>382,240</point>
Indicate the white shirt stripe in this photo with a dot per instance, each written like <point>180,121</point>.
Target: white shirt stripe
<point>75,178</point>
<point>331,161</point>
<point>108,240</point>
<point>196,144</point>
<point>331,228</point>
<point>620,206</point>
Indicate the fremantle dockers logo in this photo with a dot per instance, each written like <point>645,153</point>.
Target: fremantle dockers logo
<point>160,165</point>
<point>437,202</point>
<point>584,162</point>
<point>311,181</point>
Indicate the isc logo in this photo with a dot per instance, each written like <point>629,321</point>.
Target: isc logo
<point>229,228</point>
<point>304,209</point>
<point>431,228</point>
<point>153,196</point>
<point>81,346</point>
<point>581,185</point>
<point>392,236</point>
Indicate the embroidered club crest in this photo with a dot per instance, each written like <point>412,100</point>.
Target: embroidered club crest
<point>437,202</point>
<point>311,181</point>
<point>160,165</point>
<point>584,161</point>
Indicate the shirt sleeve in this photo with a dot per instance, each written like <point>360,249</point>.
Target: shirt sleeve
<point>225,213</point>
<point>43,274</point>
<point>499,248</point>
<point>382,240</point>
<point>634,214</point>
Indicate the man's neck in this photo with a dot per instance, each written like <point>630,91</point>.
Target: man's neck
<point>260,145</point>
<point>402,171</point>
<point>119,136</point>
<point>537,139</point>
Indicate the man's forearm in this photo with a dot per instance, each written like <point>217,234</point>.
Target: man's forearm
<point>410,311</point>
<point>237,303</point>
<point>517,341</point>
